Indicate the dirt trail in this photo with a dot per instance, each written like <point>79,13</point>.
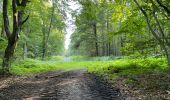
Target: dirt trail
<point>72,85</point>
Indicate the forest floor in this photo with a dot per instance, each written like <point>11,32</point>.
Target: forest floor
<point>59,85</point>
<point>124,79</point>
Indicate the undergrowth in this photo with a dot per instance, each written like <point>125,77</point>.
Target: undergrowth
<point>122,67</point>
<point>150,73</point>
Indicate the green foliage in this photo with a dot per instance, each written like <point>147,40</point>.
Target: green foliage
<point>122,67</point>
<point>35,30</point>
<point>127,67</point>
<point>3,44</point>
<point>79,58</point>
<point>121,31</point>
<point>149,74</point>
<point>31,66</point>
<point>56,58</point>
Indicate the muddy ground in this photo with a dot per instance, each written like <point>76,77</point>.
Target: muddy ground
<point>71,85</point>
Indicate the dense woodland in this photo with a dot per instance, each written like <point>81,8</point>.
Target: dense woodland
<point>33,29</point>
<point>122,28</point>
<point>118,49</point>
<point>36,29</point>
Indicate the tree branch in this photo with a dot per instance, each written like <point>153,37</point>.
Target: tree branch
<point>6,19</point>
<point>163,6</point>
<point>148,22</point>
<point>25,19</point>
<point>158,23</point>
<point>24,2</point>
<point>18,3</point>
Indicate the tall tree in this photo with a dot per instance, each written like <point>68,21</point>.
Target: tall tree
<point>46,37</point>
<point>18,7</point>
<point>160,36</point>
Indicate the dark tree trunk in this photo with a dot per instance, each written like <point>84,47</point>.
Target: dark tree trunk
<point>163,6</point>
<point>25,50</point>
<point>108,48</point>
<point>96,40</point>
<point>8,57</point>
<point>103,44</point>
<point>12,36</point>
<point>43,44</point>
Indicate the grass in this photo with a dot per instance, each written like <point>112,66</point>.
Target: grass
<point>150,73</point>
<point>122,67</point>
<point>30,66</point>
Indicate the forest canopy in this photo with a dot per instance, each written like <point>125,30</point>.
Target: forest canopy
<point>36,29</point>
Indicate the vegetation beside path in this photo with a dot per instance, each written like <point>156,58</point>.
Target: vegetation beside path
<point>140,77</point>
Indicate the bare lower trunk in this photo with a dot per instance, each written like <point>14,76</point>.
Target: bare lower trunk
<point>44,46</point>
<point>168,58</point>
<point>12,36</point>
<point>2,32</point>
<point>25,50</point>
<point>167,53</point>
<point>46,39</point>
<point>8,58</point>
<point>108,49</point>
<point>96,40</point>
<point>44,53</point>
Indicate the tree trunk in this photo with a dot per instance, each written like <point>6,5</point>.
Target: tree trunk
<point>164,7</point>
<point>46,39</point>
<point>44,45</point>
<point>2,31</point>
<point>103,44</point>
<point>25,51</point>
<point>109,49</point>
<point>166,52</point>
<point>108,30</point>
<point>96,40</point>
<point>25,45</point>
<point>12,36</point>
<point>8,58</point>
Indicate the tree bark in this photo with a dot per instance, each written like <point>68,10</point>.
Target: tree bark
<point>96,40</point>
<point>8,57</point>
<point>44,44</point>
<point>25,50</point>
<point>14,36</point>
<point>2,31</point>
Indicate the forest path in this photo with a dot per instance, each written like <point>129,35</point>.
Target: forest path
<point>71,85</point>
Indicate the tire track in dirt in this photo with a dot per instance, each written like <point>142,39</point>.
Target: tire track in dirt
<point>71,85</point>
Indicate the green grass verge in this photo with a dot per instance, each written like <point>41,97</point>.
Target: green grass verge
<point>130,67</point>
<point>150,73</point>
<point>124,67</point>
<point>30,66</point>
